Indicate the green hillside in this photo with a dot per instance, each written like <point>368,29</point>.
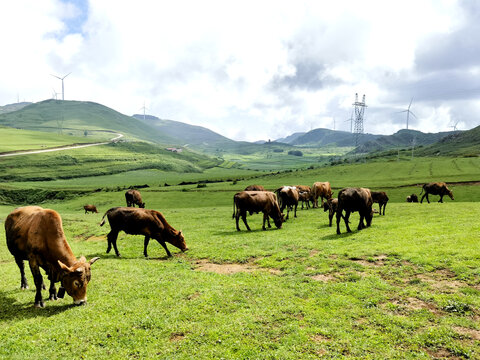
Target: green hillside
<point>323,137</point>
<point>13,107</point>
<point>71,116</point>
<point>465,143</point>
<point>402,138</point>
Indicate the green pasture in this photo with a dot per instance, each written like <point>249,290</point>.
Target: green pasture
<point>15,139</point>
<point>406,288</point>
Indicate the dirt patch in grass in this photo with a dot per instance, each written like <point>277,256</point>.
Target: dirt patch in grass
<point>412,303</point>
<point>177,336</point>
<point>319,338</point>
<point>231,268</point>
<point>313,253</point>
<point>323,277</point>
<point>471,333</point>
<point>441,354</point>
<point>442,280</point>
<point>96,238</point>
<point>373,261</point>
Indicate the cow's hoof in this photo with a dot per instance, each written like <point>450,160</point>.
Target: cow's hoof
<point>53,298</point>
<point>24,287</point>
<point>39,305</point>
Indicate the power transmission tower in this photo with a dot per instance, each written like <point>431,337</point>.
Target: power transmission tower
<point>359,112</point>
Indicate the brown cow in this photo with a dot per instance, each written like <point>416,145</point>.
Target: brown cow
<point>331,205</point>
<point>150,223</point>
<point>322,190</point>
<point>91,208</point>
<point>436,188</point>
<point>351,200</point>
<point>36,234</point>
<point>381,198</point>
<point>133,198</point>
<point>255,202</point>
<point>255,188</point>
<point>288,198</point>
<point>305,195</point>
<point>412,198</point>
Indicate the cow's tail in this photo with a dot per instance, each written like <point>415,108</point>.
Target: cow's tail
<point>103,218</point>
<point>234,208</point>
<point>423,188</point>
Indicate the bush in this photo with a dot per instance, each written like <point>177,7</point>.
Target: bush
<point>295,153</point>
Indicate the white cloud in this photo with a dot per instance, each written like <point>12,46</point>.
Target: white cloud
<point>248,70</point>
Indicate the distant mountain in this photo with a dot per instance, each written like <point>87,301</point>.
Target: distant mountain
<point>402,138</point>
<point>201,138</point>
<point>13,107</point>
<point>323,137</point>
<point>465,143</point>
<point>290,138</point>
<point>50,115</point>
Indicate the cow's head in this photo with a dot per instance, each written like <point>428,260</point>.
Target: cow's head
<point>178,240</point>
<point>278,221</point>
<point>449,193</point>
<point>75,279</point>
<point>369,216</point>
<point>141,205</point>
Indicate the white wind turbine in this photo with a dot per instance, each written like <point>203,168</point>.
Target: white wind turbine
<point>454,126</point>
<point>61,78</point>
<point>408,112</point>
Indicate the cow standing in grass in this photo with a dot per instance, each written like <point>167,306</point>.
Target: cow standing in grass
<point>133,198</point>
<point>381,198</point>
<point>321,190</point>
<point>436,188</point>
<point>304,195</point>
<point>150,223</point>
<point>91,208</point>
<point>255,202</point>
<point>351,200</point>
<point>255,188</point>
<point>36,234</point>
<point>288,198</point>
<point>331,205</point>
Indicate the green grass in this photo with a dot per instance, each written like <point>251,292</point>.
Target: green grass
<point>14,139</point>
<point>408,287</point>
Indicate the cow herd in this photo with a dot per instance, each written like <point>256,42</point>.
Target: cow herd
<point>36,234</point>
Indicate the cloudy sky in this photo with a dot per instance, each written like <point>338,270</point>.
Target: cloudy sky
<point>251,70</point>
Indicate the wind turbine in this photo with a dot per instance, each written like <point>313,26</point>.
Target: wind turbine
<point>61,78</point>
<point>454,126</point>
<point>144,108</point>
<point>408,112</point>
<point>54,94</point>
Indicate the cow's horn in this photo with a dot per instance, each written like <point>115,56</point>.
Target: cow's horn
<point>93,260</point>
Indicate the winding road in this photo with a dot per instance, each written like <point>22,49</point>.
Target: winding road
<point>68,147</point>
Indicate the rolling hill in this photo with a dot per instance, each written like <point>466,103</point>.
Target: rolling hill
<point>323,137</point>
<point>13,107</point>
<point>464,143</point>
<point>402,138</point>
<point>58,115</point>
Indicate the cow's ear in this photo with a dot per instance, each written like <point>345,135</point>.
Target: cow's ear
<point>63,266</point>
<point>180,233</point>
<point>82,259</point>
<point>93,260</point>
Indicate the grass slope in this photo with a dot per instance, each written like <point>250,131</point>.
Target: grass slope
<point>52,115</point>
<point>322,137</point>
<point>460,143</point>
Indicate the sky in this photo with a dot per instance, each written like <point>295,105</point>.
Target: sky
<point>251,70</point>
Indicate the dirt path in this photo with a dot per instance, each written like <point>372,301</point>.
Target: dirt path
<point>60,148</point>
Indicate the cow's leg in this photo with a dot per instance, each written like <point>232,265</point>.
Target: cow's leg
<point>165,247</point>
<point>295,213</point>
<point>423,197</point>
<point>441,199</point>
<point>244,218</point>
<point>384,206</point>
<point>38,279</point>
<point>330,217</point>
<point>52,291</point>
<point>237,216</point>
<point>23,279</point>
<point>361,224</point>
<point>112,240</point>
<point>265,217</point>
<point>347,216</point>
<point>339,216</point>
<point>145,244</point>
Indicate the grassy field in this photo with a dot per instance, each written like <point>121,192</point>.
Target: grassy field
<point>14,139</point>
<point>406,288</point>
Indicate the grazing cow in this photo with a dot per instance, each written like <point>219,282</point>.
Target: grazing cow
<point>133,198</point>
<point>150,223</point>
<point>36,234</point>
<point>412,198</point>
<point>255,202</point>
<point>381,198</point>
<point>351,200</point>
<point>305,195</point>
<point>91,208</point>
<point>255,188</point>
<point>322,190</point>
<point>436,188</point>
<point>331,205</point>
<point>288,198</point>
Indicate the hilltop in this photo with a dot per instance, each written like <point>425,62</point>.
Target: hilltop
<point>465,143</point>
<point>71,116</point>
